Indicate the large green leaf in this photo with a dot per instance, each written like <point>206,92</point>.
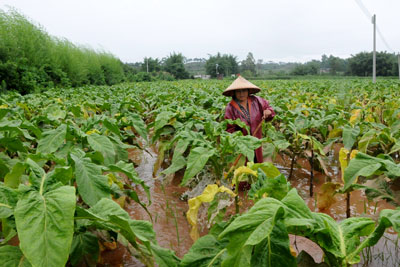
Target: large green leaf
<point>13,144</point>
<point>92,185</point>
<point>246,146</point>
<point>62,174</point>
<point>366,139</point>
<point>8,200</point>
<point>178,161</point>
<point>102,144</point>
<point>11,256</point>
<point>164,257</point>
<point>54,112</point>
<point>45,225</point>
<point>13,178</point>
<point>84,245</point>
<point>114,217</point>
<point>387,218</point>
<point>129,170</point>
<point>52,139</point>
<point>138,124</point>
<point>109,215</point>
<point>259,237</point>
<point>110,125</point>
<point>365,165</point>
<point>197,158</point>
<point>276,187</point>
<point>162,119</point>
<point>350,136</point>
<point>207,251</point>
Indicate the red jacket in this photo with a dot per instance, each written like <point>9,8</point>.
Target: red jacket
<point>257,105</point>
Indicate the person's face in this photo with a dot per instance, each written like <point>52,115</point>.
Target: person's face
<point>242,94</point>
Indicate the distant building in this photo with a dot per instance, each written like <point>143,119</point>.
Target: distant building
<point>324,70</point>
<point>202,76</point>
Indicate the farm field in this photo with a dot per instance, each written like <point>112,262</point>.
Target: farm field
<point>143,174</point>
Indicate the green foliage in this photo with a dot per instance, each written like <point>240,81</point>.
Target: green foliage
<point>174,64</point>
<point>151,65</point>
<point>260,237</point>
<point>248,66</point>
<point>79,137</point>
<point>46,237</point>
<point>309,68</point>
<point>275,187</point>
<point>31,59</point>
<point>227,65</point>
<point>361,64</point>
<point>333,64</point>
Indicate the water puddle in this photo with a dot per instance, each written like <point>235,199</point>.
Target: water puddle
<point>168,211</point>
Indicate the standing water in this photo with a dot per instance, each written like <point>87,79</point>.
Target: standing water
<point>172,229</point>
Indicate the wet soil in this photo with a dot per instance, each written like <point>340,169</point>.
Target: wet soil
<point>172,229</point>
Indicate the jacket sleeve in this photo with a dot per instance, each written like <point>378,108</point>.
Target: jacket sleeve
<point>265,106</point>
<point>229,115</point>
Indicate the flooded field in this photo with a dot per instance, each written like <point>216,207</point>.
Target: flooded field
<point>172,228</point>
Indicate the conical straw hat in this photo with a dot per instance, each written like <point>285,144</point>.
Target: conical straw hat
<point>241,83</point>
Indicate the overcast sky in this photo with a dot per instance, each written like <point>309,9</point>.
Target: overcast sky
<point>273,30</point>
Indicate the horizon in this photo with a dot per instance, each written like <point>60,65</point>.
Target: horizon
<point>280,32</point>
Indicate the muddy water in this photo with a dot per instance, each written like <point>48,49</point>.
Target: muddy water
<point>385,253</point>
<point>167,210</point>
<point>359,204</point>
<point>172,229</point>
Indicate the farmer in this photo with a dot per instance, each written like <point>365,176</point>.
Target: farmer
<point>248,108</point>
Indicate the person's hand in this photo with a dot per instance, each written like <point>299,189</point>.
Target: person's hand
<point>266,114</point>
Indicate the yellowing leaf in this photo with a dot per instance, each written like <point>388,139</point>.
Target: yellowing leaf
<point>92,132</point>
<point>353,153</point>
<point>336,132</point>
<point>343,153</point>
<point>343,160</point>
<point>194,204</point>
<point>305,112</point>
<point>355,114</point>
<point>244,170</point>
<point>59,100</point>
<point>332,101</point>
<point>3,106</point>
<point>120,201</point>
<point>85,113</point>
<point>326,195</point>
<point>293,251</point>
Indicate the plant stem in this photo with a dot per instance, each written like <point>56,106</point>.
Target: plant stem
<point>237,204</point>
<point>348,205</point>
<point>292,165</point>
<point>312,172</point>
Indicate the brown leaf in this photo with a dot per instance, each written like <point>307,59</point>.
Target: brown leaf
<point>326,195</point>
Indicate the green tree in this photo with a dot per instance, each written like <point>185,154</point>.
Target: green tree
<point>310,68</point>
<point>249,64</point>
<point>154,65</point>
<point>31,59</point>
<point>174,64</point>
<point>361,64</point>
<point>227,65</point>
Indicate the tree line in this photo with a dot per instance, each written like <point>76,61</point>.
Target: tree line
<point>31,59</point>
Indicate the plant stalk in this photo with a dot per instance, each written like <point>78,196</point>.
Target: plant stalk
<point>292,166</point>
<point>348,205</point>
<point>311,173</point>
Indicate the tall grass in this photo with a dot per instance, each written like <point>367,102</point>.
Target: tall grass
<point>31,59</point>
